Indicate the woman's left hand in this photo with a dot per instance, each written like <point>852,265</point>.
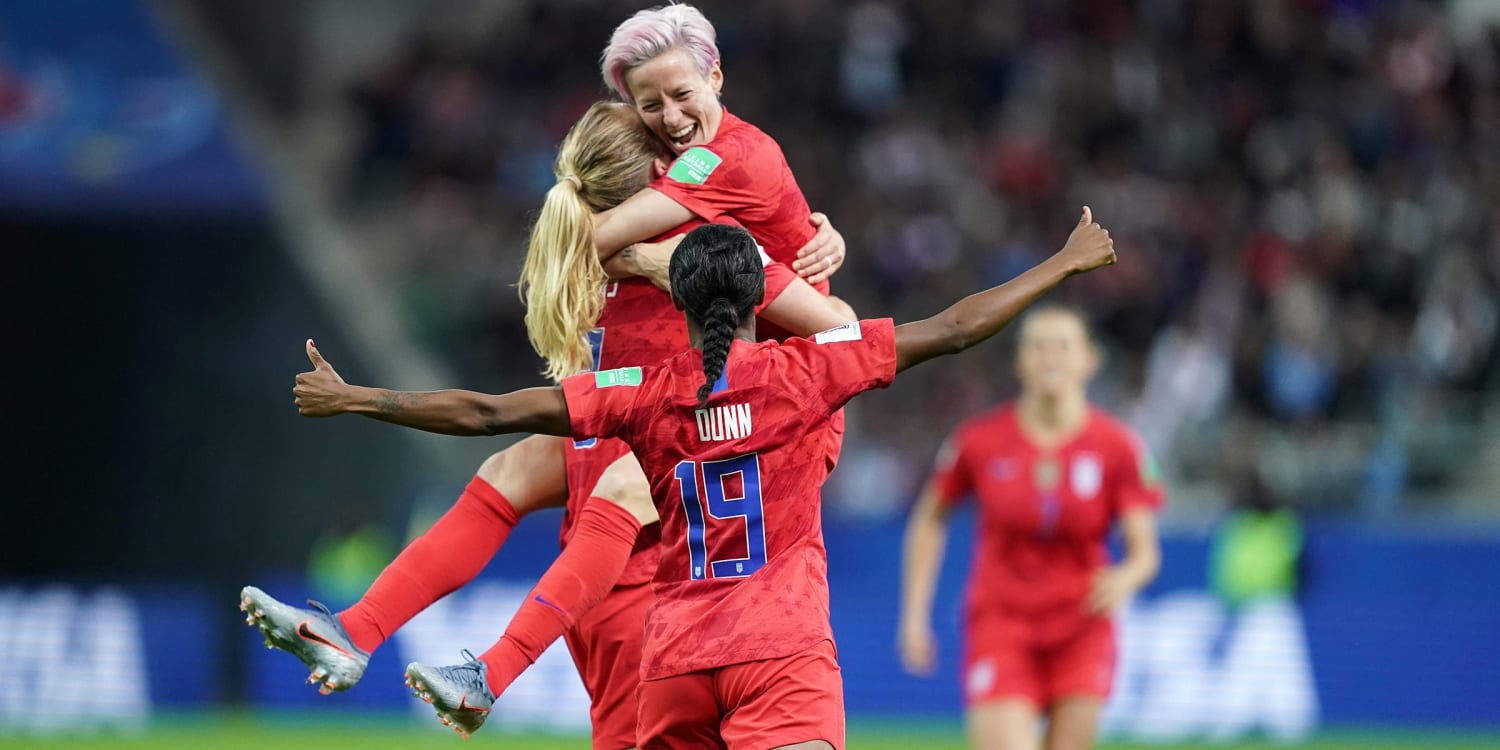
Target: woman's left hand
<point>823,254</point>
<point>1112,587</point>
<point>320,393</point>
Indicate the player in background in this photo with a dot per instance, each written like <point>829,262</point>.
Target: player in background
<point>738,651</point>
<point>1052,475</point>
<point>577,322</point>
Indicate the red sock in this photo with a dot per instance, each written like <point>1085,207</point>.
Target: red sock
<point>580,577</point>
<point>435,564</point>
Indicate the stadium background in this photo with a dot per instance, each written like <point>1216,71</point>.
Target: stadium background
<point>1304,319</point>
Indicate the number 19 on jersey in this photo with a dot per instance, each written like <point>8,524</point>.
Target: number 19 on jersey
<point>714,514</point>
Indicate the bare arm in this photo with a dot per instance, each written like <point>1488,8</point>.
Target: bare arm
<point>651,260</point>
<point>322,393</point>
<point>1113,586</point>
<point>921,559</point>
<point>980,316</point>
<point>648,260</point>
<point>641,217</point>
<point>804,311</point>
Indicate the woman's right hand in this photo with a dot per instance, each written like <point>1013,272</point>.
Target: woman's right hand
<point>918,648</point>
<point>1089,246</point>
<point>653,260</point>
<point>320,393</point>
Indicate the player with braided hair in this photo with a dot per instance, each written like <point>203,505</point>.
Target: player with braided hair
<point>703,286</point>
<point>738,650</point>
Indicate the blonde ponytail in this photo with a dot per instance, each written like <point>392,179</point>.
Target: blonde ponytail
<point>562,283</point>
<point>604,159</point>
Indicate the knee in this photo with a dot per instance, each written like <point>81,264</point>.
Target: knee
<point>624,484</point>
<point>498,468</point>
<point>529,474</point>
<point>621,487</point>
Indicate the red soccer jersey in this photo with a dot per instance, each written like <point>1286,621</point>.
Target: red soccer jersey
<point>742,173</point>
<point>1044,516</point>
<point>743,572</point>
<point>638,326</point>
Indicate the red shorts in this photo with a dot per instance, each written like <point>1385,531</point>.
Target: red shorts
<point>750,706</point>
<point>1042,659</point>
<point>606,648</point>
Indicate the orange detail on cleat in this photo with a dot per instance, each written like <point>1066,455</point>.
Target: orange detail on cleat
<point>462,706</point>
<point>306,634</point>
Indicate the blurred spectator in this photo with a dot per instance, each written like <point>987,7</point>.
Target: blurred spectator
<point>346,559</point>
<point>1256,552</point>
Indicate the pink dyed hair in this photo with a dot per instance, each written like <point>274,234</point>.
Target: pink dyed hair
<point>649,33</point>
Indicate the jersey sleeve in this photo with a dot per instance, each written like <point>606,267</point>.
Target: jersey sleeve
<point>603,404</point>
<point>951,478</point>
<point>1138,481</point>
<point>778,278</point>
<point>717,179</point>
<point>840,363</point>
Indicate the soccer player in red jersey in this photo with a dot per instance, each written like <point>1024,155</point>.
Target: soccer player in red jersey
<point>606,157</point>
<point>665,63</point>
<point>1052,476</point>
<point>738,651</point>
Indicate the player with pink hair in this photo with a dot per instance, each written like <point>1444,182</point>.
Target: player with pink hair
<point>665,63</point>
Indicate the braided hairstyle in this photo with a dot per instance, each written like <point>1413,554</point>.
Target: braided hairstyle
<point>717,279</point>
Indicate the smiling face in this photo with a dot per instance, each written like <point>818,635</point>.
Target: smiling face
<point>1055,357</point>
<point>676,101</point>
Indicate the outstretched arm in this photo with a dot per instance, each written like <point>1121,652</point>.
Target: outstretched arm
<point>980,316</point>
<point>322,393</point>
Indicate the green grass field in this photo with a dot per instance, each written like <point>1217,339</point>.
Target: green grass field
<point>396,733</point>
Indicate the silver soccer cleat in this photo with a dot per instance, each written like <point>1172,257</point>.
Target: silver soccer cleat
<point>459,693</point>
<point>314,636</point>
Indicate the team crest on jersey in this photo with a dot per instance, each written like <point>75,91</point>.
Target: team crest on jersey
<point>1086,476</point>
<point>694,166</point>
<point>1044,474</point>
<point>845,332</point>
<point>630,376</point>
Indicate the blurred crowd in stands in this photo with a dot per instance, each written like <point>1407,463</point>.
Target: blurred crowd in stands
<point>1302,193</point>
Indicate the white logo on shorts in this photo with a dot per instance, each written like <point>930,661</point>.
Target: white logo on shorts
<point>981,677</point>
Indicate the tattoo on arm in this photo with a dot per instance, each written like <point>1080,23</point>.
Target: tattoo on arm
<point>395,402</point>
